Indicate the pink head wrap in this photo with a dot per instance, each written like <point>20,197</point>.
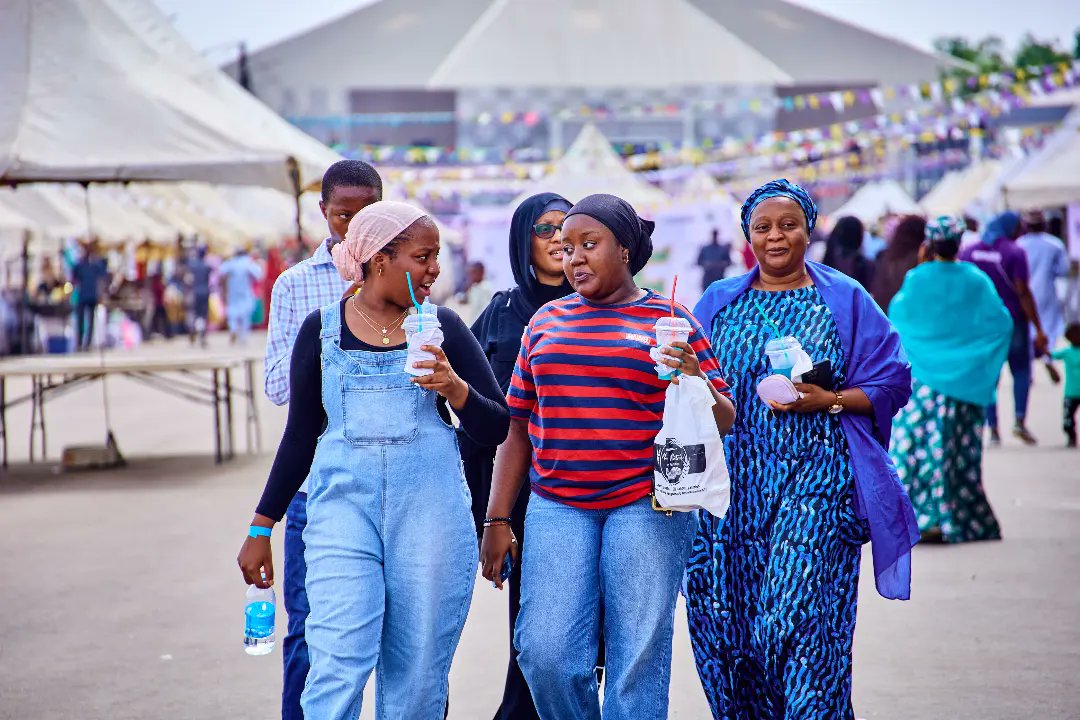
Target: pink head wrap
<point>370,231</point>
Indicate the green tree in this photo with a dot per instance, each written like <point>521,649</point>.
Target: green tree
<point>985,56</point>
<point>1035,53</point>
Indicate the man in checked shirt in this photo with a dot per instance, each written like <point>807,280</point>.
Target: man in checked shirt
<point>347,187</point>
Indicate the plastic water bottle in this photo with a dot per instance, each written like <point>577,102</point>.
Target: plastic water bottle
<point>259,610</point>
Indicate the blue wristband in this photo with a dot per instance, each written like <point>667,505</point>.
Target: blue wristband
<point>258,530</point>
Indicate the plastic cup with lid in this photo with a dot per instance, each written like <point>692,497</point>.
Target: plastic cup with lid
<point>421,329</point>
<point>669,330</point>
<point>783,353</point>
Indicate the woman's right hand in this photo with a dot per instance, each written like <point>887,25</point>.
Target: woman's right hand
<point>498,540</point>
<point>256,561</point>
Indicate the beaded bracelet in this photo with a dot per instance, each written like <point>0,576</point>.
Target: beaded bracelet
<point>488,522</point>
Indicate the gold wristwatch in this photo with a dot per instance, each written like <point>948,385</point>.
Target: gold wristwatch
<point>838,406</point>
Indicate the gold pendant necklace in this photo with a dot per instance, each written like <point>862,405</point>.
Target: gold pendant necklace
<point>385,332</point>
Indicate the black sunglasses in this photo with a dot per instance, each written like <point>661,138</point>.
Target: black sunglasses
<point>546,231</point>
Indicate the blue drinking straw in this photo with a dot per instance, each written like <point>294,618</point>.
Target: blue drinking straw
<point>769,320</point>
<point>408,279</point>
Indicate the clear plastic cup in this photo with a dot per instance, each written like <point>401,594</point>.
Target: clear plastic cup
<point>670,330</point>
<point>783,353</point>
<point>430,334</point>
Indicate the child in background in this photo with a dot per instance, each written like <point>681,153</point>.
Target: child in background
<point>1071,359</point>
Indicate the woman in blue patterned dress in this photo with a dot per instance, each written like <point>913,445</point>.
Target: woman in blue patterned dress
<point>772,586</point>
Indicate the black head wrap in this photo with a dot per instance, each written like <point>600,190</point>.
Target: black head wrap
<point>532,294</point>
<point>619,217</point>
<point>846,238</point>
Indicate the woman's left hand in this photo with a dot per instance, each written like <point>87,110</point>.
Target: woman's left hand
<point>683,358</point>
<point>443,380</point>
<point>814,399</point>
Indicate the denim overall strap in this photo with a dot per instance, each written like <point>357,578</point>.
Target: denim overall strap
<point>331,324</point>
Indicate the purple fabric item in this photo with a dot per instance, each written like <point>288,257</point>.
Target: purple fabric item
<point>1006,264</point>
<point>876,364</point>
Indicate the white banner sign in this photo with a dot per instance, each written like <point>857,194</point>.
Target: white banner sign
<point>1072,230</point>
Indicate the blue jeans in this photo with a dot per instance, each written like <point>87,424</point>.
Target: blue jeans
<point>390,545</point>
<point>1020,367</point>
<point>84,318</point>
<point>294,651</point>
<point>630,558</point>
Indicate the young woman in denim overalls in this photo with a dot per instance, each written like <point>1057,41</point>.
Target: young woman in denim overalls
<point>390,547</point>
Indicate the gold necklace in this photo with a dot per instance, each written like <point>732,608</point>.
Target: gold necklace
<point>385,332</point>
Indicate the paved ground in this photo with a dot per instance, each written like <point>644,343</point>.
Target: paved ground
<point>120,598</point>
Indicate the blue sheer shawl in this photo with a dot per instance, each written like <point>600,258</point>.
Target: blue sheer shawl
<point>876,364</point>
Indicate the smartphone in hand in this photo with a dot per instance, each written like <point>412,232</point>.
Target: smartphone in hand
<point>821,375</point>
<point>507,567</point>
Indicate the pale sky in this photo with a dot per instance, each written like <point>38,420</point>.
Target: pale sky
<point>217,26</point>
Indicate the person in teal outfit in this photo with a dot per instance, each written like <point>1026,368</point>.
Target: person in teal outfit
<point>956,332</point>
<point>1071,357</point>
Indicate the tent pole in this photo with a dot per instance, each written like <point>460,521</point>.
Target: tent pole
<point>299,226</point>
<point>294,176</point>
<point>89,217</point>
<point>23,311</point>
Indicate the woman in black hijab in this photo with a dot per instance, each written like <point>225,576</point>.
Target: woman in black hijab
<point>843,251</point>
<point>536,258</point>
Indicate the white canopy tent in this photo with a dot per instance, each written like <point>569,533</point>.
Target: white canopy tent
<point>51,214</point>
<point>113,217</point>
<point>701,186</point>
<point>107,90</point>
<point>941,195</point>
<point>600,44</point>
<point>959,190</point>
<point>591,166</point>
<point>13,226</point>
<point>702,206</point>
<point>10,219</point>
<point>875,200</point>
<point>1052,175</point>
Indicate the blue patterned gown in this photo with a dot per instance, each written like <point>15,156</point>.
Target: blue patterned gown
<point>772,588</point>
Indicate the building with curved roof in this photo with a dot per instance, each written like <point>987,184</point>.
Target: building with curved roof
<point>516,73</point>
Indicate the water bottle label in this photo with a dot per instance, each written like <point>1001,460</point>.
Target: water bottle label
<point>259,620</point>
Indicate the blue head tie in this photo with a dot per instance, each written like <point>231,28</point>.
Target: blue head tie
<point>1002,226</point>
<point>779,188</point>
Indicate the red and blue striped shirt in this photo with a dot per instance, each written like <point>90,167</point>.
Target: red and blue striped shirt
<point>588,388</point>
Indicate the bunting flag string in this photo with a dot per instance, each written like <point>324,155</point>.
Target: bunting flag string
<point>931,121</point>
<point>1032,81</point>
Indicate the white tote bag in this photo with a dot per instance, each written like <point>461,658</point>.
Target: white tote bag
<point>689,468</point>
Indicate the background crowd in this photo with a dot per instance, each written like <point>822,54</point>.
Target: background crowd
<point>1024,256</point>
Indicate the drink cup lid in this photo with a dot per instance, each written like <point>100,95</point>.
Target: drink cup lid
<point>677,321</point>
<point>781,344</point>
<point>429,320</point>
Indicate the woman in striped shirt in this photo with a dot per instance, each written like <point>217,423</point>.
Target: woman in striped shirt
<point>586,405</point>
